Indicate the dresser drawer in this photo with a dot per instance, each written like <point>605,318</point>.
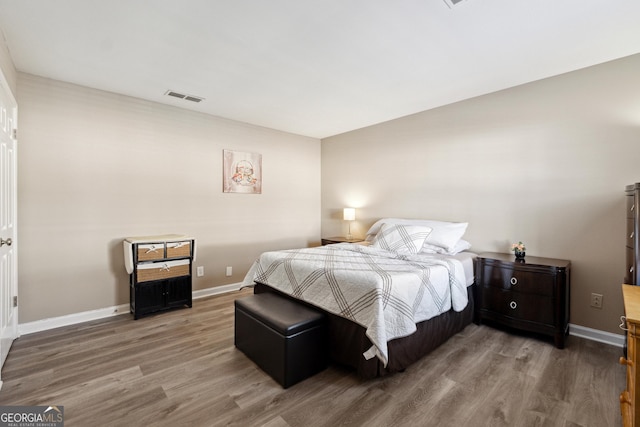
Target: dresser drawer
<point>519,306</point>
<point>629,398</point>
<point>632,355</point>
<point>150,251</point>
<point>163,270</point>
<point>629,275</point>
<point>518,280</point>
<point>179,249</point>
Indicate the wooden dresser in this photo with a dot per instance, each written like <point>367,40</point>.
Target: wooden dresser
<point>629,398</point>
<point>531,295</point>
<point>632,276</point>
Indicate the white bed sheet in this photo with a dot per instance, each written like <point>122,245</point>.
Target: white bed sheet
<point>468,260</point>
<point>387,293</point>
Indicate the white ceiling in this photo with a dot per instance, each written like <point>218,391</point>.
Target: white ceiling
<point>314,67</point>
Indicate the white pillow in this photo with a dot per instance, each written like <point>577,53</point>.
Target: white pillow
<point>462,245</point>
<point>403,239</point>
<point>444,234</point>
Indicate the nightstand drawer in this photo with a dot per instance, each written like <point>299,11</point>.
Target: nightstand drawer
<point>332,240</point>
<point>518,280</point>
<point>519,306</point>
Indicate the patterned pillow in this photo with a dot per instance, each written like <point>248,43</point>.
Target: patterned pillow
<point>444,234</point>
<point>403,239</point>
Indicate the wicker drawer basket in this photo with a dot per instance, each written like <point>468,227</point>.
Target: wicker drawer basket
<point>151,252</point>
<point>179,249</point>
<point>163,270</point>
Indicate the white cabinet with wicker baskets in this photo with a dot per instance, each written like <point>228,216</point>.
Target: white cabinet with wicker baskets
<point>159,270</point>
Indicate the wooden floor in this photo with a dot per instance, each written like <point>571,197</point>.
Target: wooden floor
<point>181,368</point>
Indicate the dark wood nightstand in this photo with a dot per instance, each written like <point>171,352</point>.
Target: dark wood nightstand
<point>332,240</point>
<point>531,295</point>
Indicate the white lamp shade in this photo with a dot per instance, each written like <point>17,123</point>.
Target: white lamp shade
<point>349,214</point>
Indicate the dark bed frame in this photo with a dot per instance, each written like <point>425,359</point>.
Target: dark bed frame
<point>347,340</point>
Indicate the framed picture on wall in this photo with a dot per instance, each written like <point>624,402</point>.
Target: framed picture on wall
<point>242,172</point>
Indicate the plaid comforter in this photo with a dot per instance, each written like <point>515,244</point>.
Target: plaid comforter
<point>385,292</point>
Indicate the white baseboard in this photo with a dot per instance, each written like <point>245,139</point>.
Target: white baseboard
<point>86,316</point>
<point>596,335</point>
<point>216,290</point>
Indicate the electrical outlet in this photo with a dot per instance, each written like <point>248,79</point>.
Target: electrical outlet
<point>596,300</point>
<point>200,271</point>
<point>229,271</point>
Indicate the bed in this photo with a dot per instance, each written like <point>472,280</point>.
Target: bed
<point>389,301</point>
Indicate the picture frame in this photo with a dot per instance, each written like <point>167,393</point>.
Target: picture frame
<point>242,172</point>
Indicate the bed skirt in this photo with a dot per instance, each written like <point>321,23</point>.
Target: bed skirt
<point>348,340</point>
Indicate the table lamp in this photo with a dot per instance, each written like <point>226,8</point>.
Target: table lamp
<point>349,214</point>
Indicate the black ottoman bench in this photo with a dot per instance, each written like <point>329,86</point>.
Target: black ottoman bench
<point>286,339</point>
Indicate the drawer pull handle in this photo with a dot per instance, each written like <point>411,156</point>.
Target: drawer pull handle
<point>624,361</point>
<point>631,269</point>
<point>632,234</point>
<point>624,397</point>
<point>152,249</point>
<point>514,281</point>
<point>513,305</point>
<point>165,267</point>
<point>623,323</point>
<point>633,207</point>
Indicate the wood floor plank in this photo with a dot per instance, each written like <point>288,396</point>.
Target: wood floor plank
<point>592,376</point>
<point>181,368</point>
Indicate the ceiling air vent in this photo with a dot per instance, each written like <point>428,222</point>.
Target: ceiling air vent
<point>452,3</point>
<point>183,96</point>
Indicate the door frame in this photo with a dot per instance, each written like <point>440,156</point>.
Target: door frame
<point>9,224</point>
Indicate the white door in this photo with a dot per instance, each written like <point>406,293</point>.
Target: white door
<point>8,214</point>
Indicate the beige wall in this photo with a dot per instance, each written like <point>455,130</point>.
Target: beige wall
<point>96,167</point>
<point>545,163</point>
